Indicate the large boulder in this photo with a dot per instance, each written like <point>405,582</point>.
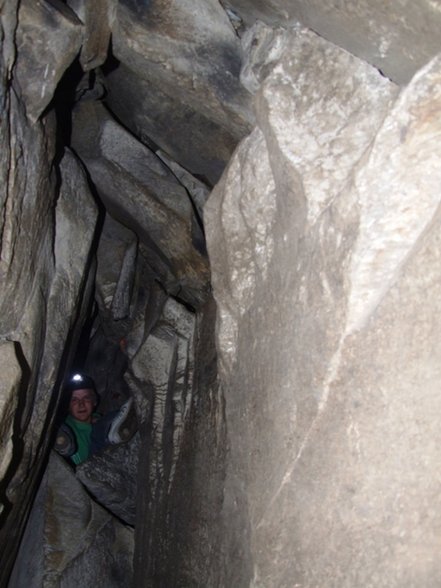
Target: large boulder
<point>326,259</point>
<point>70,540</point>
<point>140,191</point>
<point>48,39</point>
<point>111,477</point>
<point>397,38</point>
<point>177,81</point>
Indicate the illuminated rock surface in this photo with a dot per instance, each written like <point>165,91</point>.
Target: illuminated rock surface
<point>295,442</point>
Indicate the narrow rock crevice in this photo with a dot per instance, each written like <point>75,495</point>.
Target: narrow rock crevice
<point>228,214</point>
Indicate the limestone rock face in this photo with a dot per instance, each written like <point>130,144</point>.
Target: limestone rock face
<point>78,541</point>
<point>330,363</point>
<point>143,194</point>
<point>161,373</point>
<point>48,38</point>
<point>111,478</point>
<point>398,38</point>
<point>44,266</point>
<point>117,253</point>
<point>96,18</point>
<point>53,305</point>
<point>178,81</point>
<point>319,467</point>
<point>181,475</point>
<point>197,190</point>
<point>129,302</point>
<point>10,383</point>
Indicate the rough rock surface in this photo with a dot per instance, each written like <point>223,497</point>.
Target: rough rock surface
<point>181,476</point>
<point>44,293</point>
<point>329,360</point>
<point>324,242</point>
<point>397,38</point>
<point>196,189</point>
<point>111,478</point>
<point>9,390</point>
<point>96,18</point>
<point>143,194</point>
<point>178,81</point>
<point>48,39</point>
<point>116,257</point>
<point>79,542</point>
<point>116,268</point>
<point>161,373</point>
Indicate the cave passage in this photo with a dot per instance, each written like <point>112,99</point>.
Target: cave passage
<point>229,213</point>
<point>142,328</point>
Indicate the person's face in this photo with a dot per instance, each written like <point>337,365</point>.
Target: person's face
<point>82,403</point>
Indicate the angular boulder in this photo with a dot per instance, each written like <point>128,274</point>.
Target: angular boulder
<point>143,194</point>
<point>326,259</point>
<point>177,82</point>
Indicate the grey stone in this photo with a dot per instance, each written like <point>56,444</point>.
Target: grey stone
<point>79,541</point>
<point>329,360</point>
<point>75,214</point>
<point>197,190</point>
<point>123,292</point>
<point>117,251</point>
<point>27,193</point>
<point>11,374</point>
<point>49,285</point>
<point>398,38</point>
<point>22,224</point>
<point>319,467</point>
<point>49,37</point>
<point>162,373</point>
<point>262,47</point>
<point>178,82</point>
<point>111,478</point>
<point>116,340</point>
<point>192,424</point>
<point>29,567</point>
<point>96,18</point>
<point>314,114</point>
<point>8,24</point>
<point>151,370</point>
<point>392,218</point>
<point>150,311</point>
<point>143,194</point>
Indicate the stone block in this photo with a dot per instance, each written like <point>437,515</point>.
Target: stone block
<point>398,38</point>
<point>143,194</point>
<point>10,379</point>
<point>80,542</point>
<point>111,478</point>
<point>329,356</point>
<point>178,81</point>
<point>49,37</point>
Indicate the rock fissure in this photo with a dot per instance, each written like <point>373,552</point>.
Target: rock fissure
<point>227,214</point>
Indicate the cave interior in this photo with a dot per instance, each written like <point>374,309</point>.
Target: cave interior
<point>121,120</point>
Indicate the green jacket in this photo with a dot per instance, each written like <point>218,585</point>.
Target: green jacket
<point>83,432</point>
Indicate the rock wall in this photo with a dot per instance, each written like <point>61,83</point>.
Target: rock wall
<point>178,81</point>
<point>143,194</point>
<point>323,237</point>
<point>319,468</point>
<point>70,539</point>
<point>60,251</point>
<point>397,38</point>
<point>45,275</point>
<point>181,463</point>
